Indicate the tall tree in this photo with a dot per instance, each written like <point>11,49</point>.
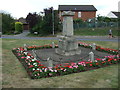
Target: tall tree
<point>45,26</point>
<point>32,19</point>
<point>51,17</point>
<point>7,23</point>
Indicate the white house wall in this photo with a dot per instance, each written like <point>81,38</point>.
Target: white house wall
<point>111,15</point>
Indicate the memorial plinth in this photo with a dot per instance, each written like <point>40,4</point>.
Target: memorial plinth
<point>68,44</point>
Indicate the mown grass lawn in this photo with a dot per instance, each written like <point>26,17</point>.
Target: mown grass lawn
<point>15,76</point>
<point>87,32</point>
<point>96,31</point>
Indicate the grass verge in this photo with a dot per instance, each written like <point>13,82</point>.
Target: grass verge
<point>15,76</point>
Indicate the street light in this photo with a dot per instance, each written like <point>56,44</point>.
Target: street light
<point>53,20</point>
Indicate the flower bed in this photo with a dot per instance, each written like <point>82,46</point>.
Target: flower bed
<point>99,48</point>
<point>37,70</point>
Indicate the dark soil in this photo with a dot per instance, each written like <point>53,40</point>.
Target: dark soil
<point>43,54</point>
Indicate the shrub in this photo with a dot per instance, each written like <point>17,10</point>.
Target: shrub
<point>18,27</point>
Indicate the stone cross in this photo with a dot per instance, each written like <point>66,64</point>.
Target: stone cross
<point>50,62</point>
<point>91,56</point>
<point>67,23</point>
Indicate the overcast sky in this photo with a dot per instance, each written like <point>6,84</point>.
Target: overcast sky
<point>20,8</point>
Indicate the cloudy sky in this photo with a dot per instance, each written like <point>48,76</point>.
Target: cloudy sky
<point>20,8</point>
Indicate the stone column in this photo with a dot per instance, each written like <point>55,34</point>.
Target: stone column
<point>91,56</point>
<point>94,46</point>
<point>67,23</point>
<point>50,63</point>
<point>25,47</point>
<point>68,44</point>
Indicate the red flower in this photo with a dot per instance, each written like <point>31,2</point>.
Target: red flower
<point>61,68</point>
<point>22,57</point>
<point>115,59</point>
<point>44,67</point>
<point>98,59</point>
<point>31,66</point>
<point>40,65</point>
<point>67,66</point>
<point>29,54</point>
<point>21,49</point>
<point>110,59</point>
<point>104,62</point>
<point>38,61</point>
<point>87,62</point>
<point>96,63</point>
<point>90,64</point>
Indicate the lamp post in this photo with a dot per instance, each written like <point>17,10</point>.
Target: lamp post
<point>53,20</point>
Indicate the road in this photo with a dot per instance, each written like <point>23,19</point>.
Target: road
<point>88,38</point>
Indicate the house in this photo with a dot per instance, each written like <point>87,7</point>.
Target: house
<point>25,24</point>
<point>83,12</point>
<point>113,14</point>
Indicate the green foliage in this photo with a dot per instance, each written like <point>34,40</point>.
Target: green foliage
<point>45,26</point>
<point>78,20</point>
<point>7,23</point>
<point>32,19</point>
<point>18,27</point>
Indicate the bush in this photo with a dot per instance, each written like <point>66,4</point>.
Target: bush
<point>18,27</point>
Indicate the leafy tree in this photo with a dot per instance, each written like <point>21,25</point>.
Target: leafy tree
<point>107,19</point>
<point>7,23</point>
<point>32,19</point>
<point>57,24</point>
<point>45,26</point>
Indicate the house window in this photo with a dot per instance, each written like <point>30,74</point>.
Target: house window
<point>79,14</point>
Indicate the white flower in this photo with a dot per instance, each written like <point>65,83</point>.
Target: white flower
<point>36,65</point>
<point>51,70</point>
<point>28,63</point>
<point>84,64</point>
<point>25,53</point>
<point>55,70</point>
<point>42,68</point>
<point>95,60</point>
<point>38,69</point>
<point>33,59</point>
<point>49,67</point>
<point>64,70</point>
<point>33,69</point>
<point>103,59</point>
<point>28,57</point>
<point>45,70</point>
